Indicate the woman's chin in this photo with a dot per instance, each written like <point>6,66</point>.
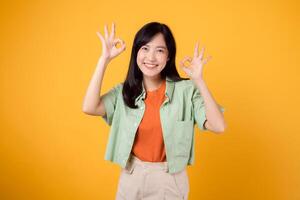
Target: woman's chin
<point>151,75</point>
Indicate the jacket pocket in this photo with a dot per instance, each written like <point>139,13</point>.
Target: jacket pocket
<point>183,136</point>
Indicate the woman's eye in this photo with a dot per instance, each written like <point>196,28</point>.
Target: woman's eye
<point>144,48</point>
<point>161,51</point>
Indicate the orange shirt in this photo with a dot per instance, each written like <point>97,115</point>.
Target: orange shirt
<point>149,143</point>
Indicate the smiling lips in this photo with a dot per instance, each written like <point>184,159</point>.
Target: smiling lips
<point>148,65</point>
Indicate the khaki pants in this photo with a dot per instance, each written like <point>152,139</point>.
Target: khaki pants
<point>141,180</point>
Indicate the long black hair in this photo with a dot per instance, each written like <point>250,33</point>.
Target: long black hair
<point>132,86</point>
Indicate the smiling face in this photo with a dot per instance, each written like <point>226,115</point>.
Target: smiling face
<point>153,56</point>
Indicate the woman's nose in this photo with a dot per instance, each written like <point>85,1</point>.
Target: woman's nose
<point>151,56</point>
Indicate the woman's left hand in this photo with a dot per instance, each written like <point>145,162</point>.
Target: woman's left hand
<point>195,70</point>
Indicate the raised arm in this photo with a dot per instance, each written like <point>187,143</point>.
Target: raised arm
<point>92,104</point>
<point>215,120</point>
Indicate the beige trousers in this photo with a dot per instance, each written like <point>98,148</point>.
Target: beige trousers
<point>141,180</point>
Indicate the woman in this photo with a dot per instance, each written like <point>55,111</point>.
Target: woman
<point>153,113</point>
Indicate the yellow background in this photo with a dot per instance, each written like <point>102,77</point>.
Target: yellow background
<point>50,149</point>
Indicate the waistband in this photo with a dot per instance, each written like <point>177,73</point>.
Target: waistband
<point>133,161</point>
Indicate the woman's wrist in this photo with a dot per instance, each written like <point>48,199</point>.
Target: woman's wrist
<point>104,59</point>
<point>103,62</point>
<point>200,81</point>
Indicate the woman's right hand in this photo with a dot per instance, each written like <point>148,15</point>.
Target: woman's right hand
<point>109,42</point>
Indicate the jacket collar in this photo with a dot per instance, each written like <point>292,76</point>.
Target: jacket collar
<point>169,91</point>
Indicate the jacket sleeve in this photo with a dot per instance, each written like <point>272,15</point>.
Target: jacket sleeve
<point>110,99</point>
<point>199,109</point>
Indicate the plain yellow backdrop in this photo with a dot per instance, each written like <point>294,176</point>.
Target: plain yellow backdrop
<point>50,149</point>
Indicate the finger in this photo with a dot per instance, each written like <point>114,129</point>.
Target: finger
<point>112,35</point>
<point>186,58</point>
<point>106,31</point>
<point>201,53</point>
<point>117,41</point>
<point>122,45</point>
<point>207,59</point>
<point>187,71</point>
<point>101,37</point>
<point>196,50</point>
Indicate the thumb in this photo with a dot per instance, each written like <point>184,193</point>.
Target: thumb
<point>186,70</point>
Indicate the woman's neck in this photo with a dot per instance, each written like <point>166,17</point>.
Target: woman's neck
<point>151,84</point>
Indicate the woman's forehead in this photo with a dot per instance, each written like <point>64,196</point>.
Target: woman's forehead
<point>157,41</point>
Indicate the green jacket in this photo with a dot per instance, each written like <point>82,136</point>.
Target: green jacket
<point>182,109</point>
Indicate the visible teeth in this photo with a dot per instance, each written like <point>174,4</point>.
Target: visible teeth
<point>150,65</point>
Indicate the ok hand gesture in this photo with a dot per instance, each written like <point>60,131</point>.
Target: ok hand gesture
<point>109,42</point>
<point>195,70</point>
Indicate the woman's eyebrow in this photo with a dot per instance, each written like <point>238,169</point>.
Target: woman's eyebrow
<point>164,47</point>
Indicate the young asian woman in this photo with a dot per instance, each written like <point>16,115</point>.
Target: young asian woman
<point>152,113</point>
